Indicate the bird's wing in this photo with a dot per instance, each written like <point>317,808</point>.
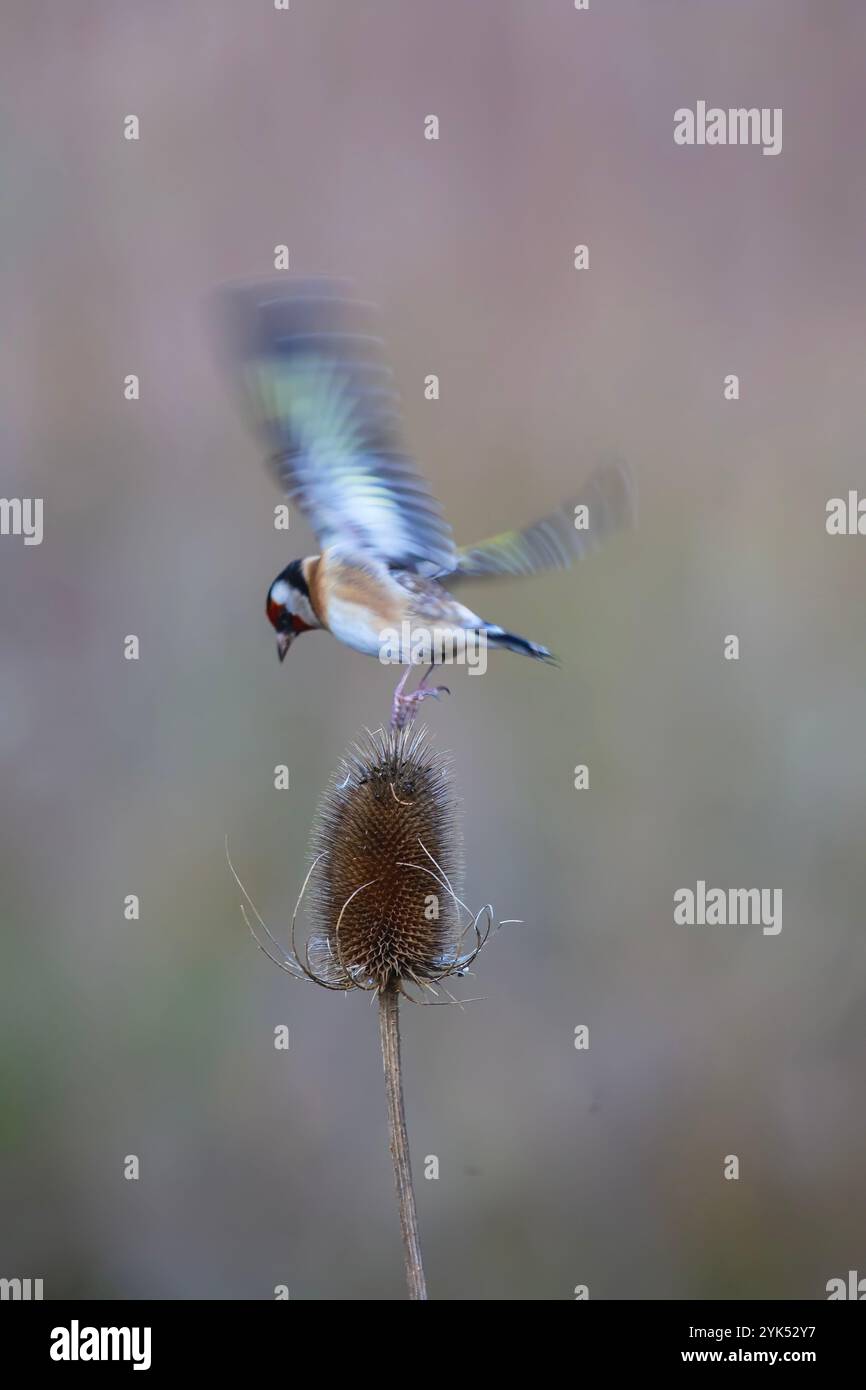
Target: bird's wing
<point>609,497</point>
<point>433,604</point>
<point>318,388</point>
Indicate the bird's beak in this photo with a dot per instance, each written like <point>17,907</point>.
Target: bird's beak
<point>284,641</point>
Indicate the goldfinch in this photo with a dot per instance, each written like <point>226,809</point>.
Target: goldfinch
<point>316,384</point>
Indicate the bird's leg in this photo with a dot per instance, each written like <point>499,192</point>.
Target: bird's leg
<point>405,707</point>
<point>397,716</point>
<point>425,689</point>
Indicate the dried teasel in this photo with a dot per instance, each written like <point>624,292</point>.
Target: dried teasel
<point>385,908</point>
<point>383,887</point>
<point>387,873</point>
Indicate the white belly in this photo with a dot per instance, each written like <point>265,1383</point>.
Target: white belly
<point>410,642</point>
<point>351,624</point>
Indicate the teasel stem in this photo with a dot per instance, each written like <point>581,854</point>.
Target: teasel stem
<point>389,1034</point>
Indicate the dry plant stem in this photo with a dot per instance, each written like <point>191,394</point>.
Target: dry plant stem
<point>389,1033</point>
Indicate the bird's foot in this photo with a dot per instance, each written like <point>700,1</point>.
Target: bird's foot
<point>405,707</point>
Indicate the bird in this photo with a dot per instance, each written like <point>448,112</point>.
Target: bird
<point>314,380</point>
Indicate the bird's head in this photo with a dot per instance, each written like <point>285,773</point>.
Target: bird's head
<point>288,606</point>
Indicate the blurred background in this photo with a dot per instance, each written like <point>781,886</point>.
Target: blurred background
<point>155,1038</point>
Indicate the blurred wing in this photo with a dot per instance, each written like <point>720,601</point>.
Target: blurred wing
<point>320,392</point>
<point>609,500</point>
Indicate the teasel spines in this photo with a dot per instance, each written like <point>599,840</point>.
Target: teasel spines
<point>387,852</point>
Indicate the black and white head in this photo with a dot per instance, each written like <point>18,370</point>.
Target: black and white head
<point>288,605</point>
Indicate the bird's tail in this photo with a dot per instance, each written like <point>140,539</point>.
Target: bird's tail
<point>510,641</point>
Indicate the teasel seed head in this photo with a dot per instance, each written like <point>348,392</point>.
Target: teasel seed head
<point>387,871</point>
